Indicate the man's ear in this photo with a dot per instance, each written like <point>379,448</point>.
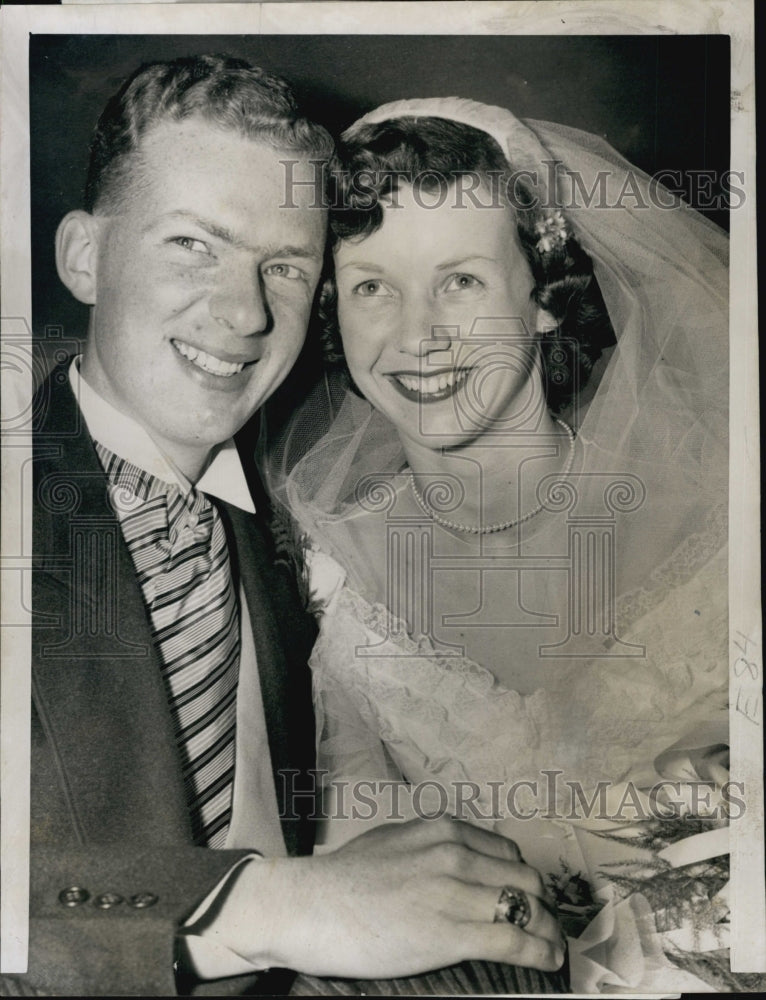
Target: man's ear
<point>77,253</point>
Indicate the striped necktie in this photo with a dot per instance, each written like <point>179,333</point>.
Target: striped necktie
<point>178,546</point>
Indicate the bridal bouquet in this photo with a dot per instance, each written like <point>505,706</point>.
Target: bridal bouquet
<point>664,917</point>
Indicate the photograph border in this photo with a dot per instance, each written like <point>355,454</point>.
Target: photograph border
<point>732,17</point>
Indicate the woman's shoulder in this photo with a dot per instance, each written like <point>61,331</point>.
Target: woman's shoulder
<point>325,577</point>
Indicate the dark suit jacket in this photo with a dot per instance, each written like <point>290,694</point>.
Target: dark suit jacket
<point>108,805</point>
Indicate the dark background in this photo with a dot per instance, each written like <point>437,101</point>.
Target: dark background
<point>662,101</point>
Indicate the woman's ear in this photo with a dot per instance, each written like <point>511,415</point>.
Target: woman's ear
<point>76,254</point>
<point>546,321</point>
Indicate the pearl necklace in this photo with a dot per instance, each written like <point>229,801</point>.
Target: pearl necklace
<point>477,529</point>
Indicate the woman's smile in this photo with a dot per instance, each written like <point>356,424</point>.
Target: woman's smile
<point>430,388</point>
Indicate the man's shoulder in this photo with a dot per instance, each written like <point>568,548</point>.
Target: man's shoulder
<point>54,408</point>
<point>68,478</point>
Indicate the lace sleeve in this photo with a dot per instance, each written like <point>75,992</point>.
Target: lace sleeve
<point>348,743</point>
<point>351,756</point>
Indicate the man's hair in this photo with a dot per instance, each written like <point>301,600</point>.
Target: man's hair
<point>229,93</point>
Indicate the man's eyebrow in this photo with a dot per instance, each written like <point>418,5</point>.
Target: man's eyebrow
<point>287,250</point>
<point>225,234</point>
<point>210,227</point>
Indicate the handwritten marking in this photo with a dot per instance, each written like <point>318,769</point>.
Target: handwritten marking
<point>747,669</point>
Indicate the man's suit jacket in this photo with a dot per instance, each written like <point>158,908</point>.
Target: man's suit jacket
<point>109,812</point>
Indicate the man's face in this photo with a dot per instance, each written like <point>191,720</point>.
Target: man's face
<point>203,288</point>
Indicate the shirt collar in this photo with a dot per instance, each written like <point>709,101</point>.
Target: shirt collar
<point>223,479</point>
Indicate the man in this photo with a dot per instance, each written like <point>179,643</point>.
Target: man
<point>171,695</point>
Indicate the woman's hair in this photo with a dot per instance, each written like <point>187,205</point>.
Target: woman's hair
<point>433,152</point>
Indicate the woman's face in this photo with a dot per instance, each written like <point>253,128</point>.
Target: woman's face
<point>434,311</point>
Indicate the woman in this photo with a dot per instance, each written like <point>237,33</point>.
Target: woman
<point>519,532</point>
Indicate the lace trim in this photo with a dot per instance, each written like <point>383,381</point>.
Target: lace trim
<point>677,570</point>
<point>387,627</point>
<point>696,551</point>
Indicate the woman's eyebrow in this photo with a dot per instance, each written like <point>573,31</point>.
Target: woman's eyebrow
<point>361,265</point>
<point>458,261</point>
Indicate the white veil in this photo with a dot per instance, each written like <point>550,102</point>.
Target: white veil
<point>654,417</point>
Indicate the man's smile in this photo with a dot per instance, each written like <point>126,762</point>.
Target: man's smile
<point>208,362</point>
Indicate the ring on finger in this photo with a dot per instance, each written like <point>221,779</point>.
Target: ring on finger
<point>513,906</point>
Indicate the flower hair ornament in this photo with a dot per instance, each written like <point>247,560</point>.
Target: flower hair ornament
<point>553,232</point>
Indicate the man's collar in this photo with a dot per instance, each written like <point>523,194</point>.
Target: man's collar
<point>224,478</point>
